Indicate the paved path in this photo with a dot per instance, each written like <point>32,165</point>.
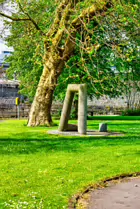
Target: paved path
<point>89,133</point>
<point>124,195</point>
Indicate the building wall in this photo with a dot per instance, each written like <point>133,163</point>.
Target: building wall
<point>7,90</point>
<point>3,66</point>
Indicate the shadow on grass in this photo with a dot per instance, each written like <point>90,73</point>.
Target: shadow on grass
<point>49,143</point>
<point>120,127</point>
<point>126,124</point>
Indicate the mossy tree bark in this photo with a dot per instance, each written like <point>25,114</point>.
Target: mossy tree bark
<point>54,59</point>
<point>40,113</point>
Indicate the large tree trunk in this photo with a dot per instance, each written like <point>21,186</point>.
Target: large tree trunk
<point>56,55</point>
<point>40,113</point>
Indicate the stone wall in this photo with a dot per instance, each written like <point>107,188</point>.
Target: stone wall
<point>11,111</point>
<point>8,90</point>
<point>108,102</point>
<point>8,93</point>
<point>106,105</point>
<point>102,106</point>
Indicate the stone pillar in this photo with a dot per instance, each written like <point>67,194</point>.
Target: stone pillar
<point>82,109</point>
<point>66,110</point>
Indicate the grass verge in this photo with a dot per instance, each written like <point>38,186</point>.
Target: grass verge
<point>38,170</point>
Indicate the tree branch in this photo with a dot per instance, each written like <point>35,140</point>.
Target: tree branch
<point>13,18</point>
<point>31,19</point>
<point>102,5</point>
<point>23,19</point>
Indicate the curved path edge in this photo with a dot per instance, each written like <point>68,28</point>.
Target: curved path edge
<point>101,184</point>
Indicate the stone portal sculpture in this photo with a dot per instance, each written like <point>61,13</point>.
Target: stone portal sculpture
<point>82,108</point>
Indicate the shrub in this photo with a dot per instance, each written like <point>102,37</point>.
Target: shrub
<point>131,112</point>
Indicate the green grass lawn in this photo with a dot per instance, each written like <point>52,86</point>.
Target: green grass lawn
<point>38,170</point>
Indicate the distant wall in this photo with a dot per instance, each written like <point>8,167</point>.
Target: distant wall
<point>8,93</point>
<point>8,90</point>
<point>102,106</point>
<point>8,109</point>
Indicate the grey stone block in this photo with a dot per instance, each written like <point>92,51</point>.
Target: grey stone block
<point>102,127</point>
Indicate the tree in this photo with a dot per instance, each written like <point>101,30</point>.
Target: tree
<point>59,40</point>
<point>109,62</point>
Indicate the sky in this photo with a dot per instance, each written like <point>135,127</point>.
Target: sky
<point>3,47</point>
<point>6,8</point>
